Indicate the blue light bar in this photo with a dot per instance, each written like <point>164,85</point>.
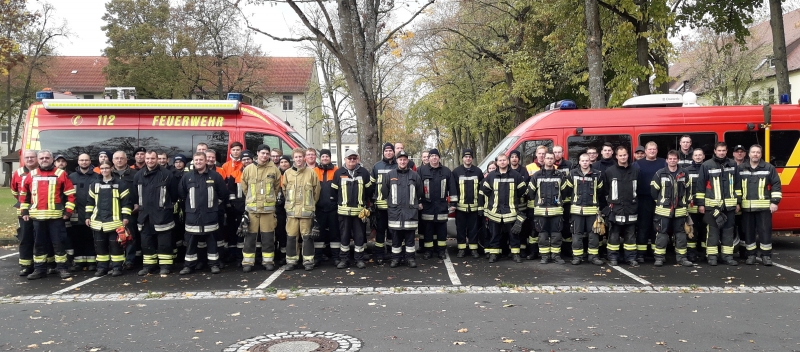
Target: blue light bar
<point>44,95</point>
<point>235,96</point>
<point>784,99</point>
<point>562,105</point>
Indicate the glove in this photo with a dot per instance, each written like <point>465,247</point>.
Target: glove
<point>315,229</point>
<point>123,236</point>
<point>373,207</point>
<point>720,218</point>
<point>517,228</point>
<point>599,226</point>
<point>244,225</point>
<point>364,214</point>
<point>688,227</point>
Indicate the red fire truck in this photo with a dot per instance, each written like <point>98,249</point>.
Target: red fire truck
<point>74,126</point>
<point>664,119</point>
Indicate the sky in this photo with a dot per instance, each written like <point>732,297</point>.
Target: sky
<point>84,19</point>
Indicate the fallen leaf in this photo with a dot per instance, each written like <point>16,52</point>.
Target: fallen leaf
<point>507,305</point>
<point>608,270</point>
<point>508,341</point>
<point>525,331</point>
<point>371,303</point>
<point>35,318</point>
<point>682,340</point>
<point>127,312</point>
<point>281,295</point>
<point>218,342</point>
<point>262,299</point>
<point>751,341</point>
<point>144,281</point>
<point>592,348</point>
<point>37,311</point>
<point>662,343</point>
<point>195,338</point>
<point>37,332</point>
<point>553,341</point>
<point>198,331</point>
<point>462,330</point>
<point>33,345</point>
<point>459,343</point>
<point>94,349</point>
<point>52,342</point>
<point>694,311</point>
<point>236,314</point>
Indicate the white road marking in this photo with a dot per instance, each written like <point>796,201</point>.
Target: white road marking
<point>631,275</point>
<point>9,255</point>
<point>783,266</point>
<point>270,279</point>
<point>451,271</point>
<point>70,288</point>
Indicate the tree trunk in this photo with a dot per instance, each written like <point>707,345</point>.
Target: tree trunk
<point>594,53</point>
<point>779,48</point>
<point>643,58</point>
<point>520,112</point>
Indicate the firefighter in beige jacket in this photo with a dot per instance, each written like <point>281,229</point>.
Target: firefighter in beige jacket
<point>260,184</point>
<point>301,188</point>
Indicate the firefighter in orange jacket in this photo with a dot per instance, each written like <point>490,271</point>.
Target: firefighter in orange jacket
<point>42,196</point>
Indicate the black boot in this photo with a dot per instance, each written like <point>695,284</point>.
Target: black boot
<point>751,259</point>
<point>461,253</point>
<point>492,258</point>
<point>766,260</point>
<point>545,259</point>
<point>26,270</point>
<point>37,274</point>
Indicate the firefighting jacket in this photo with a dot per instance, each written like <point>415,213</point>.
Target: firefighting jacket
<point>503,194</point>
<point>156,191</point>
<point>301,188</point>
<point>17,180</point>
<point>327,200</point>
<point>231,166</point>
<point>523,205</point>
<point>465,189</point>
<point>402,190</point>
<point>685,160</point>
<point>352,190</point>
<point>620,185</point>
<point>717,184</point>
<point>261,183</point>
<point>546,191</point>
<point>236,196</point>
<point>82,181</point>
<point>108,204</point>
<point>584,191</point>
<point>671,192</point>
<point>203,194</point>
<point>435,192</point>
<point>379,170</point>
<point>125,175</point>
<point>760,186</point>
<point>692,172</point>
<point>280,201</point>
<point>42,194</point>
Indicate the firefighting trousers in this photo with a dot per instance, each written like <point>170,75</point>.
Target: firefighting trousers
<point>663,226</point>
<point>399,239</point>
<point>466,229</point>
<point>192,238</point>
<point>280,232</point>
<point>626,233</point>
<point>500,234</point>
<point>700,231</point>
<point>381,230</point>
<point>581,226</point>
<point>82,240</point>
<point>549,229</point>
<point>719,235</point>
<point>646,233</point>
<point>26,239</point>
<point>234,243</point>
<point>757,226</point>
<point>299,227</point>
<point>529,233</point>
<point>110,253</point>
<point>47,235</point>
<point>156,246</point>
<point>437,230</point>
<point>263,224</point>
<point>328,232</point>
<point>351,228</point>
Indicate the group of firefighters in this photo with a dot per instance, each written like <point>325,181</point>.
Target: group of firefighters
<point>291,210</point>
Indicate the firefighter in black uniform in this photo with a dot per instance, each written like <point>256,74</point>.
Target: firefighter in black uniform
<point>584,185</point>
<point>179,250</point>
<point>236,206</point>
<point>699,228</point>
<point>379,171</point>
<point>156,190</point>
<point>670,188</point>
<point>125,173</point>
<point>203,193</point>
<point>717,192</point>
<point>546,191</point>
<point>82,238</point>
<point>326,210</point>
<point>352,190</point>
<point>284,163</point>
<point>504,190</point>
<point>436,180</point>
<point>620,185</point>
<point>402,190</point>
<point>466,198</point>
<point>108,207</point>
<point>761,193</point>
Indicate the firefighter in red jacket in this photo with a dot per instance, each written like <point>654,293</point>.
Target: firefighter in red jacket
<point>25,230</point>
<point>42,196</point>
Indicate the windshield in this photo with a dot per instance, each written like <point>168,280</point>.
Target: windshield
<point>500,148</point>
<point>297,138</point>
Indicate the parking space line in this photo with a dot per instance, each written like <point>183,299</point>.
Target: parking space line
<point>270,279</point>
<point>70,288</point>
<point>783,266</point>
<point>9,255</point>
<point>631,275</point>
<point>451,271</point>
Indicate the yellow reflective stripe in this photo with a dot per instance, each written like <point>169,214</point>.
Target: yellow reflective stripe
<point>761,185</point>
<point>344,193</point>
<point>115,204</point>
<point>361,193</point>
<point>51,195</point>
<point>777,195</point>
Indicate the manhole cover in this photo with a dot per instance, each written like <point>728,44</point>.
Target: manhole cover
<point>298,341</point>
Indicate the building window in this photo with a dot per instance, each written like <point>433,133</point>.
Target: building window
<point>4,137</point>
<point>771,95</point>
<point>88,96</point>
<point>288,103</point>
